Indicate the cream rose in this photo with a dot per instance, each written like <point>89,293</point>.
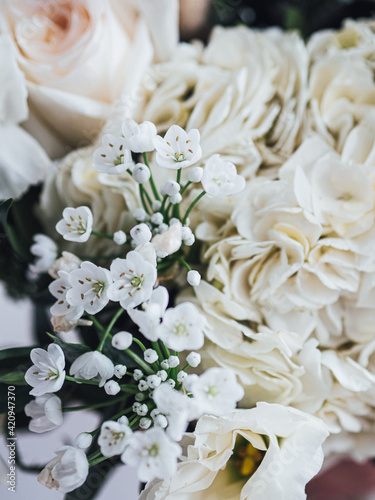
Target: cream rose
<point>79,57</point>
<point>269,451</point>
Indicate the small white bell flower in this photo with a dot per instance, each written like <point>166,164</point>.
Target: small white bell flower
<point>123,420</point>
<point>220,178</point>
<point>112,388</point>
<point>112,438</point>
<point>141,173</point>
<point>143,385</point>
<point>83,440</point>
<point>113,157</point>
<point>48,371</point>
<point>76,224</point>
<point>92,365</point>
<point>46,250</point>
<point>140,396</point>
<point>45,412</point>
<point>165,364</point>
<point>139,138</point>
<point>178,149</point>
<point>193,278</point>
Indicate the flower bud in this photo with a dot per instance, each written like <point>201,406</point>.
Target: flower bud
<point>193,278</point>
<point>120,371</point>
<point>193,359</point>
<point>141,173</point>
<point>153,381</point>
<point>141,233</point>
<point>142,410</point>
<point>112,387</point>
<point>157,219</point>
<point>140,214</point>
<point>163,375</point>
<point>173,361</point>
<point>145,423</point>
<point>165,364</point>
<point>176,198</point>
<point>83,440</point>
<point>123,420</point>
<point>140,396</point>
<point>143,385</point>
<point>119,237</point>
<point>181,376</point>
<point>195,174</point>
<point>122,340</point>
<point>170,188</point>
<point>137,374</point>
<point>161,421</point>
<point>156,205</point>
<point>150,356</point>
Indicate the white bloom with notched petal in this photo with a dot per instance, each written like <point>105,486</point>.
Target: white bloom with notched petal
<point>92,365</point>
<point>45,412</point>
<point>89,287</point>
<point>270,451</point>
<point>76,224</point>
<point>67,471</point>
<point>47,373</point>
<point>139,138</point>
<point>182,327</point>
<point>149,318</point>
<point>134,279</point>
<point>112,437</point>
<point>153,453</point>
<point>59,289</point>
<point>178,149</point>
<point>220,178</point>
<point>216,391</point>
<point>46,250</point>
<point>113,157</point>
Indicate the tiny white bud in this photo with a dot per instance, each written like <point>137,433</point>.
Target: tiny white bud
<point>163,227</point>
<point>83,440</point>
<point>194,359</point>
<point>195,174</point>
<point>135,407</point>
<point>189,381</point>
<point>171,382</point>
<point>140,214</point>
<point>141,233</point>
<point>181,376</point>
<point>163,375</point>
<point>123,420</point>
<point>112,387</point>
<point>161,421</point>
<point>193,278</point>
<point>174,220</point>
<point>137,374</point>
<point>153,381</point>
<point>122,340</point>
<point>140,396</point>
<point>170,188</point>
<point>120,371</point>
<point>142,410</point>
<point>173,361</point>
<point>143,385</point>
<point>145,423</point>
<point>157,218</point>
<point>156,205</point>
<point>175,199</point>
<point>141,173</point>
<point>186,232</point>
<point>165,364</point>
<point>150,356</point>
<point>190,241</point>
<point>119,237</point>
<point>154,413</point>
<point>133,244</point>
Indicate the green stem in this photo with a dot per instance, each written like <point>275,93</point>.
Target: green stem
<point>96,323</point>
<point>97,461</point>
<point>141,345</point>
<point>92,407</point>
<point>80,380</point>
<point>165,198</point>
<point>102,235</point>
<point>94,455</point>
<point>142,193</point>
<point>108,331</point>
<point>192,205</point>
<point>180,259</point>
<point>156,347</point>
<point>176,208</point>
<point>140,361</point>
<point>185,187</point>
<point>152,183</point>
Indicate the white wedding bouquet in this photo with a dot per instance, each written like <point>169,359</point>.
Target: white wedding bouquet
<point>214,245</point>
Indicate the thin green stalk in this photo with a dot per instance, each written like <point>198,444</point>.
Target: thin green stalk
<point>80,380</point>
<point>92,407</point>
<point>108,331</point>
<point>183,262</point>
<point>102,235</point>
<point>192,205</point>
<point>152,183</point>
<point>97,461</point>
<point>96,323</point>
<point>142,193</point>
<point>156,347</point>
<point>185,187</point>
<point>141,345</point>
<point>140,361</point>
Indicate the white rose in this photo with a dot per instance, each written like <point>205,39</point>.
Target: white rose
<point>79,57</point>
<point>341,84</point>
<point>73,182</point>
<point>230,459</point>
<point>244,88</point>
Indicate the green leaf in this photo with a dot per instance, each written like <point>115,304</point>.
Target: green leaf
<point>13,378</point>
<point>16,237</point>
<point>71,351</point>
<point>14,354</point>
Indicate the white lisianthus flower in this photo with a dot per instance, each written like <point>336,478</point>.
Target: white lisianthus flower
<point>67,471</point>
<point>149,318</point>
<point>270,451</point>
<point>182,327</point>
<point>59,288</point>
<point>47,373</point>
<point>216,391</point>
<point>46,250</point>
<point>76,224</point>
<point>112,157</point>
<point>92,365</point>
<point>45,412</point>
<point>112,438</point>
<point>57,44</point>
<point>220,178</point>
<point>89,287</point>
<point>134,278</point>
<point>139,138</point>
<point>178,149</point>
<point>153,453</point>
